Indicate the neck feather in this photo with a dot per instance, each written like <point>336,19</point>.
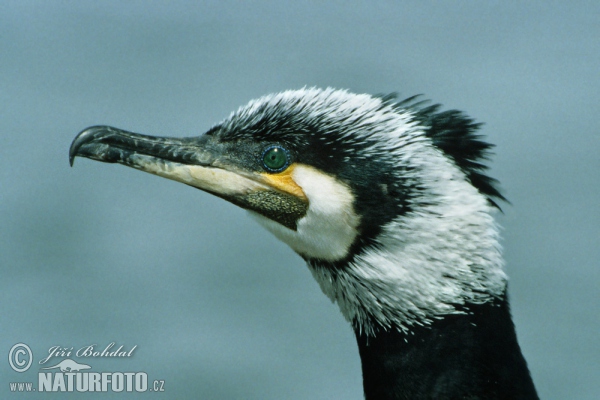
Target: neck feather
<point>474,355</point>
<point>426,263</point>
<point>423,267</point>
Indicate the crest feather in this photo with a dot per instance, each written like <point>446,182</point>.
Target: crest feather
<point>455,133</point>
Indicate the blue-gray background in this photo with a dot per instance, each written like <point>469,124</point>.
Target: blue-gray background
<point>217,307</point>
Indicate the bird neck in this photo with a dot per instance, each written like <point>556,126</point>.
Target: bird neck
<point>421,266</point>
<point>474,355</point>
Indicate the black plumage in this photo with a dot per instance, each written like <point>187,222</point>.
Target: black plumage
<point>474,355</point>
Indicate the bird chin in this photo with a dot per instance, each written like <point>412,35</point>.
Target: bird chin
<point>313,238</point>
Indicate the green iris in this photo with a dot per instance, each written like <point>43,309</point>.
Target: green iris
<point>275,158</point>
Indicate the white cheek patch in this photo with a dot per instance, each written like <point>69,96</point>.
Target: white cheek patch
<point>329,227</point>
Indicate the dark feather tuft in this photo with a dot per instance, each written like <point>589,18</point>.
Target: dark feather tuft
<point>455,134</point>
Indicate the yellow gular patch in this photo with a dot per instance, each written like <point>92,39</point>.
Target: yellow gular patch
<point>284,182</point>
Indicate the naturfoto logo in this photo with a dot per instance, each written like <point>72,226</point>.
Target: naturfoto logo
<point>59,372</point>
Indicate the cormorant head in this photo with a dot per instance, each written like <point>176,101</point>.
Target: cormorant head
<point>387,202</point>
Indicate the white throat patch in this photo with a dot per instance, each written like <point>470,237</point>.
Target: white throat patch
<point>329,227</point>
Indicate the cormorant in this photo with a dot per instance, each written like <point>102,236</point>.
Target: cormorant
<point>389,204</point>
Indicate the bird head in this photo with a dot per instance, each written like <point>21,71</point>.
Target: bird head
<point>386,201</point>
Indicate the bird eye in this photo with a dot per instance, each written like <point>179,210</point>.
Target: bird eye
<point>275,158</point>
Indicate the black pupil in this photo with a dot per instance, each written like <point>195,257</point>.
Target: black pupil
<point>275,158</point>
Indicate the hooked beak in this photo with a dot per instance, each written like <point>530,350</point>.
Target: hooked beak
<point>197,161</point>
